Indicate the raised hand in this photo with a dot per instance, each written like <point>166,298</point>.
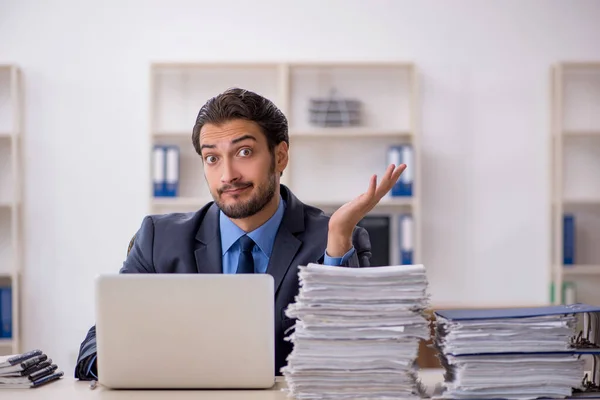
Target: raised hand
<point>343,221</point>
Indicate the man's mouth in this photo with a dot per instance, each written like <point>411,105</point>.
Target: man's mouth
<point>236,190</point>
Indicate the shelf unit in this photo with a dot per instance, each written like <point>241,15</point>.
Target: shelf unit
<point>576,180</point>
<point>328,165</point>
<point>11,201</point>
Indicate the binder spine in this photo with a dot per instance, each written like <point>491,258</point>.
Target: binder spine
<point>402,154</point>
<point>406,239</point>
<point>568,239</point>
<point>6,312</point>
<point>172,171</point>
<point>159,172</point>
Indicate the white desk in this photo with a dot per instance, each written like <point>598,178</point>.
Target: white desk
<point>67,388</point>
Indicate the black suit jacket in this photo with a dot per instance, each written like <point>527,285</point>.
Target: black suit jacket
<point>190,243</point>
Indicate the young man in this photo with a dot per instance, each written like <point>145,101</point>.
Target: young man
<point>255,224</point>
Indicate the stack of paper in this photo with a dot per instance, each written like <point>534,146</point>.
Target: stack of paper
<point>508,354</point>
<point>357,332</point>
<point>27,370</point>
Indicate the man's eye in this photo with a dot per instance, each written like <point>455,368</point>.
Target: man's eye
<point>211,159</point>
<point>245,152</point>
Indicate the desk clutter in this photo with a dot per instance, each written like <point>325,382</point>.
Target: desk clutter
<point>28,370</point>
<point>357,332</point>
<point>523,353</point>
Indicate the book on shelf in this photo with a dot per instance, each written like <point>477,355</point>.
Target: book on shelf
<point>402,154</point>
<point>27,370</point>
<point>5,312</point>
<point>166,170</point>
<point>406,238</point>
<point>568,239</point>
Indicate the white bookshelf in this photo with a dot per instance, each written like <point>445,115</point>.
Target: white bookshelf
<point>328,166</point>
<point>11,199</point>
<point>575,177</point>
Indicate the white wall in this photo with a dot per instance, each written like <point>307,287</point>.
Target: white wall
<point>485,127</point>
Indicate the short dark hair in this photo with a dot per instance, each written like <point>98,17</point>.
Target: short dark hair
<point>236,103</point>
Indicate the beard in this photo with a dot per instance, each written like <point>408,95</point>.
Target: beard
<point>264,194</point>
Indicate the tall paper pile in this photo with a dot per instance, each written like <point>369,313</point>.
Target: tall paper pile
<point>357,332</point>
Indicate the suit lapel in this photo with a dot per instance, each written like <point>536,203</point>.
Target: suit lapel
<point>286,244</point>
<point>208,254</point>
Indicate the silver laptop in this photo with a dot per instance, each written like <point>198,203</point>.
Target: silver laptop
<point>188,331</point>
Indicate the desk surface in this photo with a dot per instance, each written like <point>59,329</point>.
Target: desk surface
<point>68,388</point>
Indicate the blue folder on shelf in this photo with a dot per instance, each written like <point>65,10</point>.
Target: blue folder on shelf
<point>6,323</point>
<point>166,170</point>
<point>569,237</point>
<point>402,154</point>
<point>406,236</point>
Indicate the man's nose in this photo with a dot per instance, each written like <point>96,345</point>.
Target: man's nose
<point>229,173</point>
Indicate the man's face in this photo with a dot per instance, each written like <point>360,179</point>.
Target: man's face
<point>240,171</point>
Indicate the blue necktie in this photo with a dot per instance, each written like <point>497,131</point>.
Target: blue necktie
<point>246,262</point>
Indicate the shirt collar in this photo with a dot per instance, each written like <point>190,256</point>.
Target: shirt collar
<point>263,236</point>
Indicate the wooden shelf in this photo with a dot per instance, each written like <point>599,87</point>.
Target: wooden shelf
<point>211,65</point>
<point>574,270</point>
<point>576,133</point>
<point>575,189</point>
<point>201,201</point>
<point>328,166</point>
<point>173,134</point>
<point>580,64</point>
<point>582,202</point>
<point>353,64</point>
<point>359,132</point>
<point>11,195</point>
<point>385,202</point>
<point>181,201</point>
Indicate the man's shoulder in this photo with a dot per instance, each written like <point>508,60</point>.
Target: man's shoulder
<point>313,214</point>
<point>173,218</point>
<point>178,221</point>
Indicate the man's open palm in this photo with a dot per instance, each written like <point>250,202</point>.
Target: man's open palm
<point>347,216</point>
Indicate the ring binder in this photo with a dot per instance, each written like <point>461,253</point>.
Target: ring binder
<point>553,342</point>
